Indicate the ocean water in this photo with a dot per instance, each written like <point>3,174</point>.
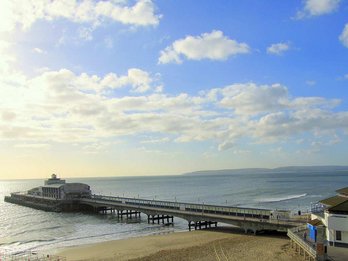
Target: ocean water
<point>25,229</point>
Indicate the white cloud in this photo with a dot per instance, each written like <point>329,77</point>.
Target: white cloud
<point>141,14</point>
<point>86,33</point>
<point>38,50</point>
<point>25,13</point>
<point>67,85</point>
<point>62,106</point>
<point>278,48</point>
<point>344,36</point>
<point>213,46</point>
<point>32,145</point>
<point>139,80</point>
<point>95,148</point>
<point>7,59</point>
<point>249,99</point>
<point>311,82</point>
<point>318,7</point>
<point>252,99</point>
<point>154,141</point>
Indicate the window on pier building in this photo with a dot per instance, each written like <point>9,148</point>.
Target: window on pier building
<point>338,235</point>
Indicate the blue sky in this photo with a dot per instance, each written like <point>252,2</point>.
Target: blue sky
<point>98,88</point>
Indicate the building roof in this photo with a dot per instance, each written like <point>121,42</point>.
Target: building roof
<point>340,208</point>
<point>333,201</point>
<point>343,191</point>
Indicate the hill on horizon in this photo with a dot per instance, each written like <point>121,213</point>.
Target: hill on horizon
<point>287,169</point>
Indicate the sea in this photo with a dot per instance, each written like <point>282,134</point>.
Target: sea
<point>23,229</point>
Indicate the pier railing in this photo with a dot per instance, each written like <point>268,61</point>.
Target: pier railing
<point>318,208</point>
<point>193,207</point>
<point>263,215</point>
<point>295,235</point>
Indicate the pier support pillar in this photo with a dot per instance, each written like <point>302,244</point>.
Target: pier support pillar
<point>164,219</point>
<point>201,224</point>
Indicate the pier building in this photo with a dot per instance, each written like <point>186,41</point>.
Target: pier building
<point>58,189</point>
<point>55,195</point>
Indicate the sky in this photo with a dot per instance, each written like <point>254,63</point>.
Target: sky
<point>164,87</point>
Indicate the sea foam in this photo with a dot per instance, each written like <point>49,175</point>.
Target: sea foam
<point>283,198</point>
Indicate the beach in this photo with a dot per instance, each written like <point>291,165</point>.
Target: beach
<point>218,244</point>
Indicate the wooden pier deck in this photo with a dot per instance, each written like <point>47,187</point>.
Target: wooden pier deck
<point>197,215</point>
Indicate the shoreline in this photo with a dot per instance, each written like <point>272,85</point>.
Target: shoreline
<point>222,243</point>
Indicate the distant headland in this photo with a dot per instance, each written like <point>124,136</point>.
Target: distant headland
<point>287,169</point>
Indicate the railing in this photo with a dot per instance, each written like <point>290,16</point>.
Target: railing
<point>317,208</point>
<point>293,234</point>
<point>260,214</point>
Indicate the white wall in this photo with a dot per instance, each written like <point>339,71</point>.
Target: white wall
<point>337,222</point>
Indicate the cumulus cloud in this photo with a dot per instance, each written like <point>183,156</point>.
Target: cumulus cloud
<point>251,99</point>
<point>67,85</point>
<point>212,46</point>
<point>318,7</point>
<point>25,13</point>
<point>278,48</point>
<point>344,36</point>
<point>7,58</point>
<point>63,106</point>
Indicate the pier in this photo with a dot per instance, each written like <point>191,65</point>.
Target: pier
<point>198,216</point>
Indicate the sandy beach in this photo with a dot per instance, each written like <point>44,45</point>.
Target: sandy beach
<point>219,244</point>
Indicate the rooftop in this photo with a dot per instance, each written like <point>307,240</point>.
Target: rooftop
<point>340,208</point>
<point>339,203</point>
<point>333,201</point>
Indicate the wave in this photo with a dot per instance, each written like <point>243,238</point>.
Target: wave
<point>35,230</point>
<point>278,199</point>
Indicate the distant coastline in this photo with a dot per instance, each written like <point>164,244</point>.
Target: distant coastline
<point>287,169</point>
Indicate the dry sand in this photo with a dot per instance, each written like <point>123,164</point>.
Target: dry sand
<point>220,245</point>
